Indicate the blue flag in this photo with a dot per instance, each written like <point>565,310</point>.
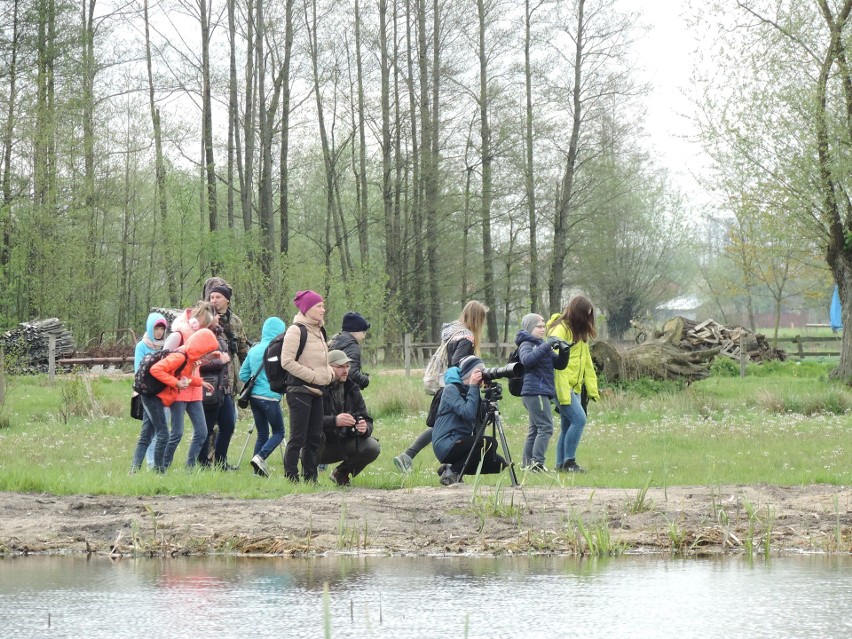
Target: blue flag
<point>835,317</point>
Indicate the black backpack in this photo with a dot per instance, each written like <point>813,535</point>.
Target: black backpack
<point>144,382</point>
<point>277,376</point>
<point>516,384</point>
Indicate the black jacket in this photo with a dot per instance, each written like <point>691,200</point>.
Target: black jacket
<point>349,345</point>
<point>353,403</point>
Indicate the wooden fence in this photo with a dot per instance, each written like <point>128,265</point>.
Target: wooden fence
<point>805,346</point>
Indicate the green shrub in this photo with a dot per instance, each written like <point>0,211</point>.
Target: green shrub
<point>647,387</point>
<point>724,367</point>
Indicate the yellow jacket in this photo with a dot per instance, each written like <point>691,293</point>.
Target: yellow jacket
<point>580,369</point>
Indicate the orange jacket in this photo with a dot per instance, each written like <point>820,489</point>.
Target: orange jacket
<point>196,347</point>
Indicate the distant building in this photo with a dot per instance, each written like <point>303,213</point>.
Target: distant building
<point>686,306</point>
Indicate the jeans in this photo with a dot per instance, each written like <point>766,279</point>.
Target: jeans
<point>541,428</point>
<point>153,422</point>
<point>306,413</point>
<point>423,440</point>
<point>225,417</point>
<point>149,454</point>
<point>199,431</point>
<point>267,414</point>
<point>573,422</point>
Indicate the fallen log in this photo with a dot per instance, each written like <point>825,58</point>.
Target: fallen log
<point>657,360</point>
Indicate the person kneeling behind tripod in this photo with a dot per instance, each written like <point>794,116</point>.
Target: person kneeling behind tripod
<point>346,426</point>
<point>459,416</point>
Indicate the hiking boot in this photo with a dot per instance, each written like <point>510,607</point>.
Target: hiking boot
<point>448,477</point>
<point>259,465</point>
<point>571,466</point>
<point>442,468</point>
<point>340,477</point>
<point>402,463</point>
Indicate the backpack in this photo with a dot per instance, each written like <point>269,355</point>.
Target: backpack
<point>516,384</point>
<point>433,376</point>
<point>432,415</point>
<point>277,376</point>
<point>144,382</point>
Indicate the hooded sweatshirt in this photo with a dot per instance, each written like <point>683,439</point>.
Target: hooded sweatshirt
<point>196,347</point>
<point>272,327</point>
<point>148,344</point>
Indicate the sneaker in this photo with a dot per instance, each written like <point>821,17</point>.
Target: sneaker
<point>442,469</point>
<point>259,465</point>
<point>339,477</point>
<point>537,467</point>
<point>570,466</point>
<point>321,467</point>
<point>448,477</point>
<point>402,463</point>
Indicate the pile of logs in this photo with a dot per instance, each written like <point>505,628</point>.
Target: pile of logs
<point>730,339</point>
<point>27,348</point>
<point>683,350</point>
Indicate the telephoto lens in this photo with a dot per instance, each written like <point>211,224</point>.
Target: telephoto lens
<point>515,369</point>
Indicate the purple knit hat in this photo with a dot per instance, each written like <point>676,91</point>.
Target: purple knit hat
<point>306,300</point>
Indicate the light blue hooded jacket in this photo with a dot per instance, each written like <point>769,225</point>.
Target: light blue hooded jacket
<point>272,327</point>
<point>148,344</point>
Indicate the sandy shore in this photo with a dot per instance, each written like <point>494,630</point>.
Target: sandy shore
<point>436,520</point>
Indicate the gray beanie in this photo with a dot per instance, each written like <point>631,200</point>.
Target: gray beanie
<point>468,364</point>
<point>530,321</point>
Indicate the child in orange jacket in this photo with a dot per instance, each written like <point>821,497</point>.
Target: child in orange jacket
<point>178,370</point>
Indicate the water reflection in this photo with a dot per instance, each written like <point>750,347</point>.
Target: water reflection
<point>807,596</point>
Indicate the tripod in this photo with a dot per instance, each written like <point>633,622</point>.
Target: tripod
<point>493,393</point>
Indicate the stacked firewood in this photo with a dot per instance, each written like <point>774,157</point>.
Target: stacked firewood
<point>683,350</point>
<point>694,336</point>
<point>27,347</point>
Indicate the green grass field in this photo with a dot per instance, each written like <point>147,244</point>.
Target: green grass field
<point>785,424</point>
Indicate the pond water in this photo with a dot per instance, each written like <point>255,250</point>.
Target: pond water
<point>403,598</point>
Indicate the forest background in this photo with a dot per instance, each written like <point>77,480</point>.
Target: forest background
<point>405,156</point>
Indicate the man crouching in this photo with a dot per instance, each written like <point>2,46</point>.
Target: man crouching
<point>459,415</point>
<point>347,428</point>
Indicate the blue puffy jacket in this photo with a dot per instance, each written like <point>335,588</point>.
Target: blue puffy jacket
<point>272,327</point>
<point>537,356</point>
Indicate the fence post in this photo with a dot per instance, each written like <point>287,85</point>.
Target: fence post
<point>743,356</point>
<point>51,357</point>
<point>801,349</point>
<point>406,353</point>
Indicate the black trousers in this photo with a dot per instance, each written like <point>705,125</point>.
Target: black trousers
<point>306,413</point>
<point>355,453</point>
<point>486,450</point>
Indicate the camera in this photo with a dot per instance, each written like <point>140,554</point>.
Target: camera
<point>351,431</point>
<point>515,369</point>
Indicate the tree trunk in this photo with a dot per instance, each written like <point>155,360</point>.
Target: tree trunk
<point>566,191</point>
<point>160,175</point>
<point>284,187</point>
<point>391,228</point>
<point>6,211</point>
<point>207,126</point>
<point>535,294</point>
<point>363,238</point>
<point>485,135</point>
<point>839,254</point>
<point>247,184</point>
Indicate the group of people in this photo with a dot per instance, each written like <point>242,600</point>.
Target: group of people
<point>570,383</point>
<point>198,368</point>
<point>200,360</point>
